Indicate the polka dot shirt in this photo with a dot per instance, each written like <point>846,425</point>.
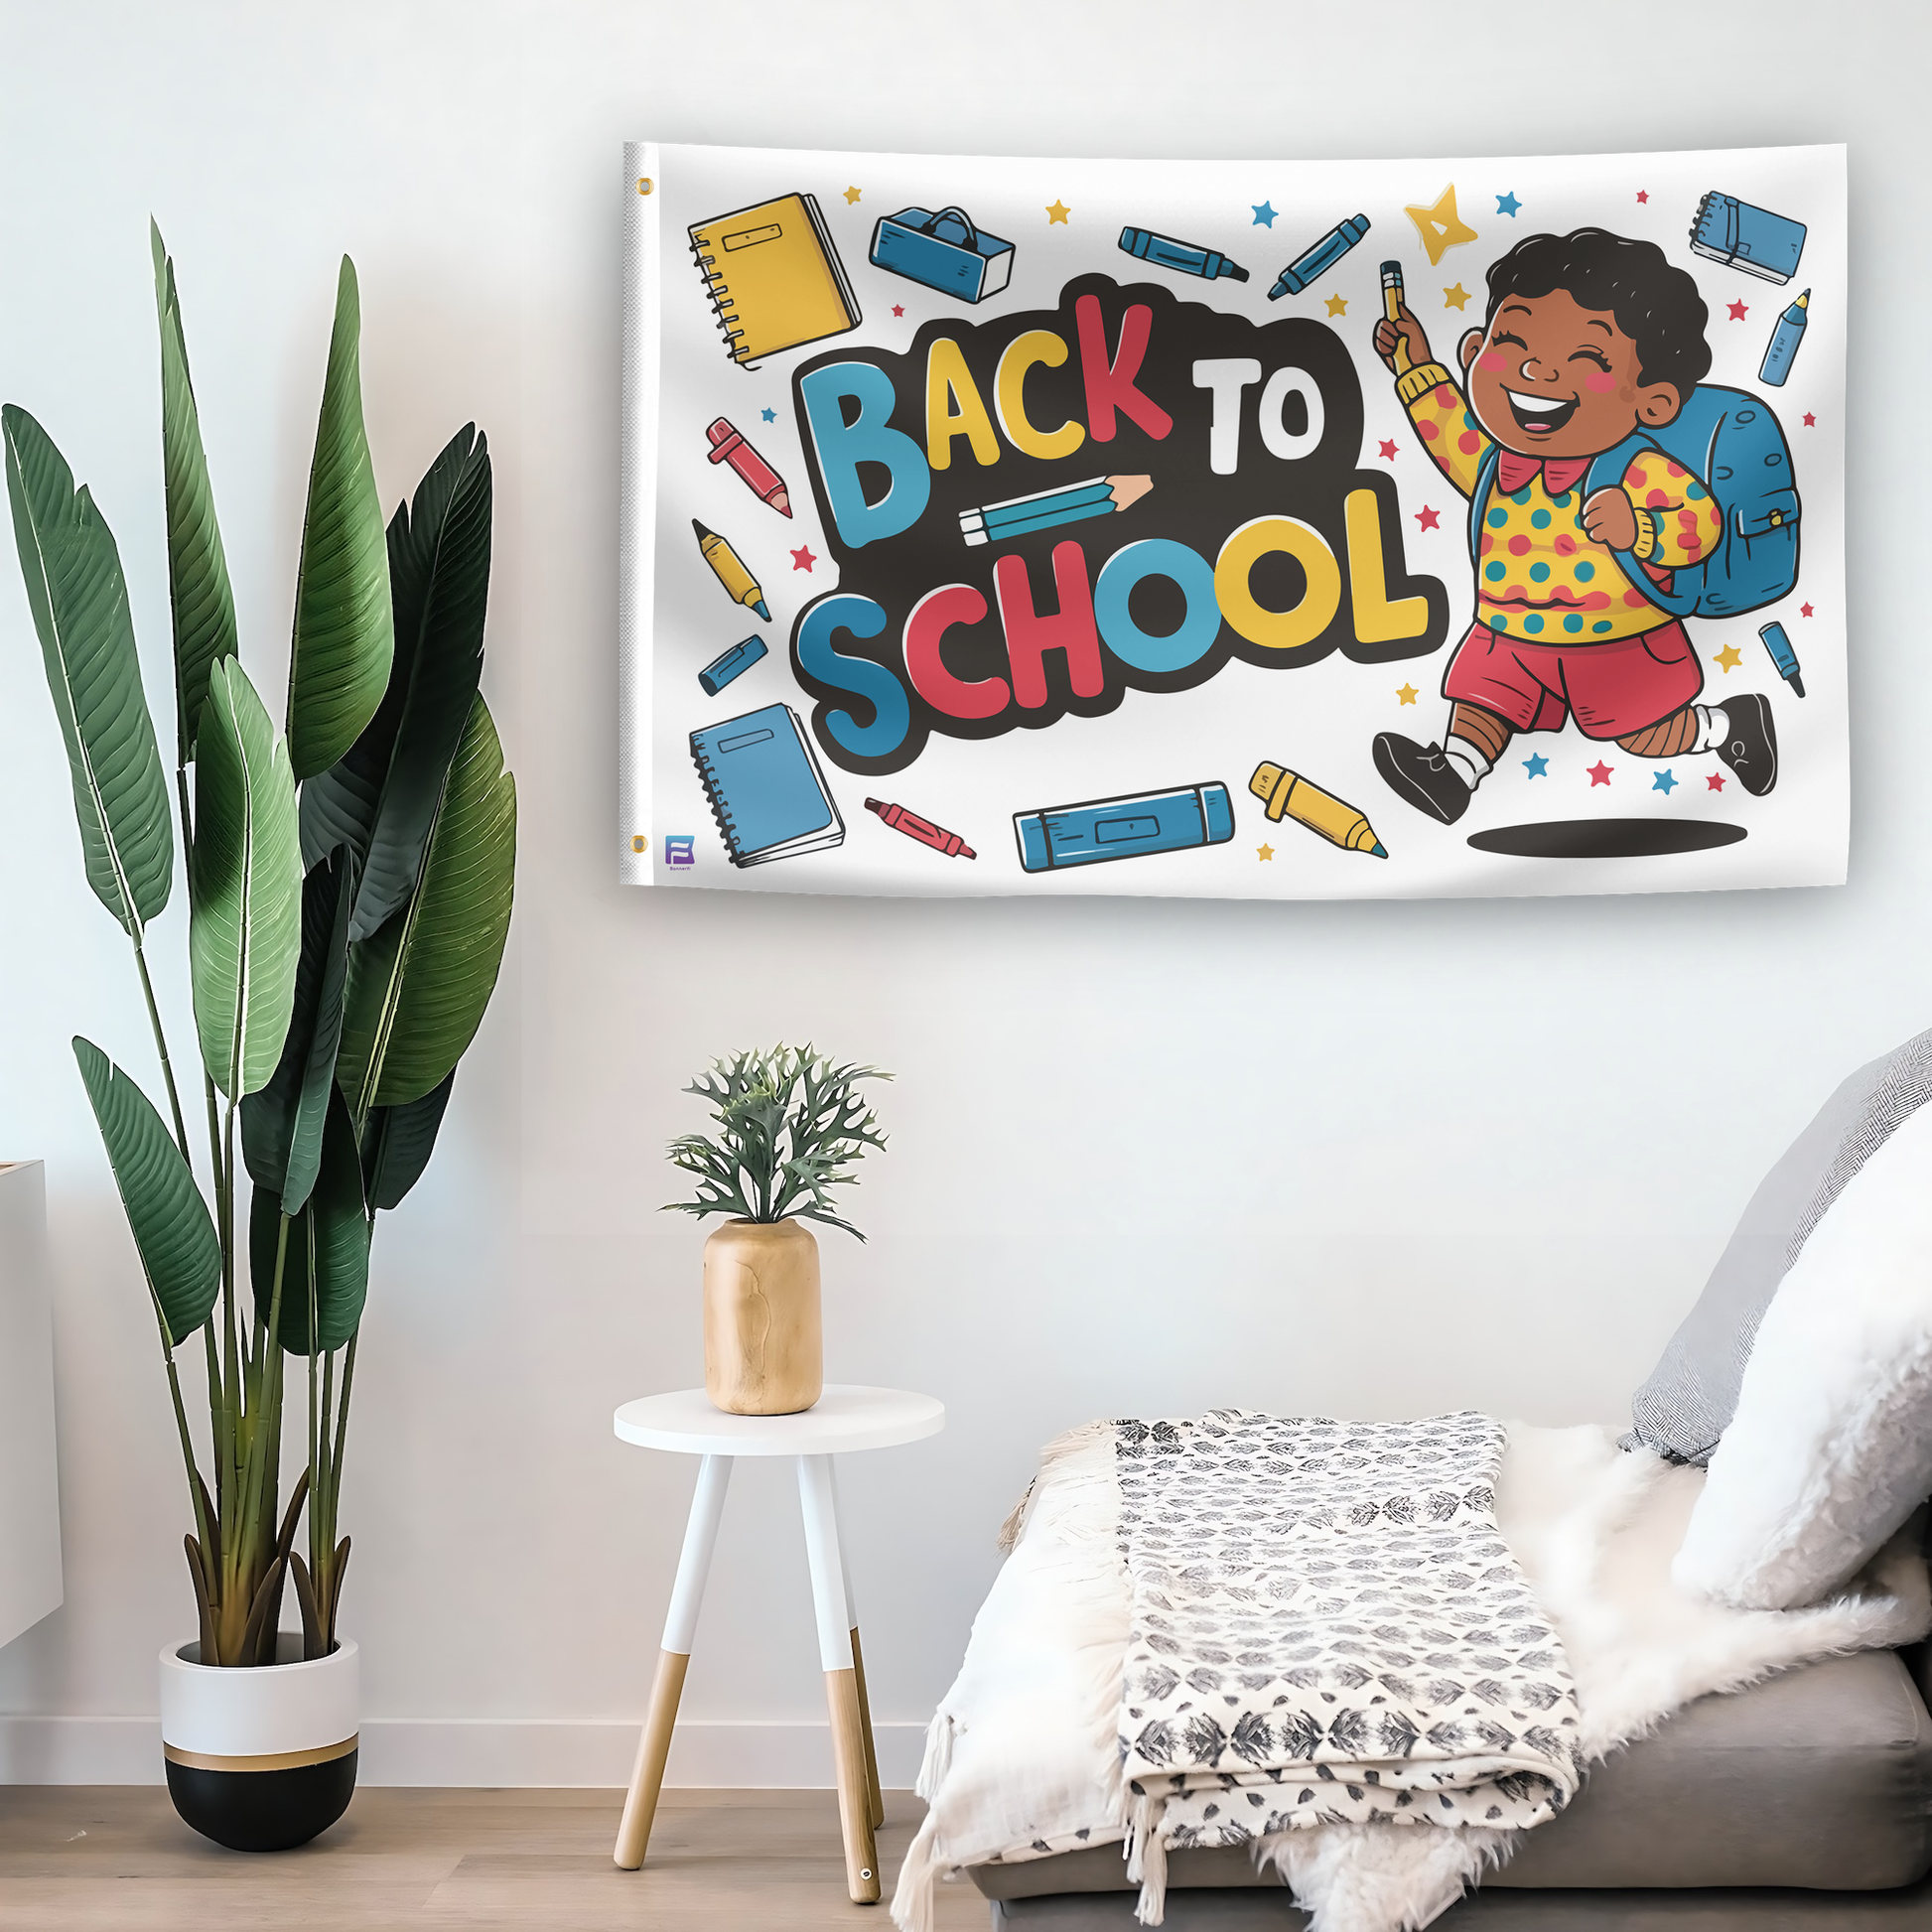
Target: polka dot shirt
<point>1539,574</point>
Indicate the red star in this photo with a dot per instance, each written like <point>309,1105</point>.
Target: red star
<point>802,559</point>
<point>1738,310</point>
<point>1599,772</point>
<point>1715,781</point>
<point>1427,517</point>
<point>1641,196</point>
<point>1804,610</point>
<point>1388,449</point>
<point>1811,421</point>
<point>898,308</point>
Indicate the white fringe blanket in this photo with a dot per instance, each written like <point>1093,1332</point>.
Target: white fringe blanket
<point>1023,1758</point>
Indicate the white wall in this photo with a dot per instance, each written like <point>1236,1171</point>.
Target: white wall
<point>1372,1160</point>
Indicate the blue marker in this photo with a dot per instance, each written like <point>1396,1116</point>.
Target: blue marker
<point>1320,258</point>
<point>1058,836</point>
<point>1780,351</point>
<point>1165,252</point>
<point>1782,655</point>
<point>721,670</point>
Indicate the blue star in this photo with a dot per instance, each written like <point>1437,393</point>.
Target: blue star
<point>1537,765</point>
<point>1264,215</point>
<point>1663,781</point>
<point>1507,203</point>
<point>770,415</point>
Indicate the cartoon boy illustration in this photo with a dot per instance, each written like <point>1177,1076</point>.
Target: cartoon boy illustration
<point>1589,338</point>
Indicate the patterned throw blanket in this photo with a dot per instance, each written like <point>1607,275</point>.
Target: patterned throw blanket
<point>1326,1627</point>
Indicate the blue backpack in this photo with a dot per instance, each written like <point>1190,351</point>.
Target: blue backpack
<point>1732,443</point>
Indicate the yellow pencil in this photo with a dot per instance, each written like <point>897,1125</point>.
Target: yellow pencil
<point>1392,307</point>
<point>1287,792</point>
<point>739,580</point>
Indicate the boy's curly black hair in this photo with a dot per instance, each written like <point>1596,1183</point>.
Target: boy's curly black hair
<point>1656,305</point>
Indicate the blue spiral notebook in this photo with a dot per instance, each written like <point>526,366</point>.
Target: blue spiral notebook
<point>766,789</point>
<point>1740,235</point>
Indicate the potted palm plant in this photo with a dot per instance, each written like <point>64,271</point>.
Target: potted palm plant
<point>348,884</point>
<point>791,1126</point>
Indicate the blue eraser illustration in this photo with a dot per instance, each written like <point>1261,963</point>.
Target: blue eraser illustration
<point>1104,829</point>
<point>722,669</point>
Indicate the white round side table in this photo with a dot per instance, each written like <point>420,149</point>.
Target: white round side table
<point>843,1419</point>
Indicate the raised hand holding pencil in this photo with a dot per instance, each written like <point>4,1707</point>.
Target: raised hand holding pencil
<point>1047,509</point>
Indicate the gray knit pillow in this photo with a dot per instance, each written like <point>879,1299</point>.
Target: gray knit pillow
<point>1692,1393</point>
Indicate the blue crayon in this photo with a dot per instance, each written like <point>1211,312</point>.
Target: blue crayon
<point>722,669</point>
<point>1058,836</point>
<point>1782,655</point>
<point>1164,252</point>
<point>1782,348</point>
<point>1320,258</point>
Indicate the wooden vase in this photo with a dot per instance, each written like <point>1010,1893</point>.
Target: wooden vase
<point>763,1342</point>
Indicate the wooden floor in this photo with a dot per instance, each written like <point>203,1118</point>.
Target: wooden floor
<point>111,1858</point>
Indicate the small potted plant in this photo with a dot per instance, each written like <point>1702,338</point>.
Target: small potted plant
<point>348,894</point>
<point>790,1127</point>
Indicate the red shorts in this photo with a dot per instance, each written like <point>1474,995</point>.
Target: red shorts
<point>1612,689</point>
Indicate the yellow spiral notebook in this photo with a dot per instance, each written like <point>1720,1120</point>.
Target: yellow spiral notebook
<point>775,277</point>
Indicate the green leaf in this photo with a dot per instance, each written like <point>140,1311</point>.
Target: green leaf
<point>344,635</point>
<point>79,598</point>
<point>397,1144</point>
<point>281,1126</point>
<point>327,1253</point>
<point>381,796</point>
<point>180,1253</point>
<point>198,569</point>
<point>418,988</point>
<point>244,934</point>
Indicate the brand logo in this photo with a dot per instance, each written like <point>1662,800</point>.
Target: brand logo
<point>679,853</point>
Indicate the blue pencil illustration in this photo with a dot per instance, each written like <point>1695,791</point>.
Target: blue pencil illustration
<point>1096,496</point>
<point>1782,655</point>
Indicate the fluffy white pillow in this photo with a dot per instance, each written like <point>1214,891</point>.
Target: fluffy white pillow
<point>1830,1448</point>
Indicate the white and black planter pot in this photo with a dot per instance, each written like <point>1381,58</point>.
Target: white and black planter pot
<point>261,1759</point>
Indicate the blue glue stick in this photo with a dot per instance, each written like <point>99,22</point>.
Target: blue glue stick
<point>1058,836</point>
<point>1165,252</point>
<point>1782,655</point>
<point>1320,258</point>
<point>722,669</point>
<point>1780,351</point>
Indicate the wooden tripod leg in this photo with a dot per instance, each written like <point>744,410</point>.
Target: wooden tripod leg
<point>653,1747</point>
<point>875,1796</point>
<point>855,1800</point>
<point>680,1626</point>
<point>820,1511</point>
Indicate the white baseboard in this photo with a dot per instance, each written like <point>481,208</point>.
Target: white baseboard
<point>481,1751</point>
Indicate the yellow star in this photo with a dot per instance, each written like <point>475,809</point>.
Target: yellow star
<point>1406,692</point>
<point>1336,305</point>
<point>1455,298</point>
<point>1439,225</point>
<point>851,195</point>
<point>1730,657</point>
<point>1264,851</point>
<point>1058,210</point>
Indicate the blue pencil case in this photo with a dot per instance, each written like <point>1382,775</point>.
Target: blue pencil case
<point>942,251</point>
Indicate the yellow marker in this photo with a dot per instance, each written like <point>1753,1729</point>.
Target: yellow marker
<point>1392,307</point>
<point>1287,794</point>
<point>739,580</point>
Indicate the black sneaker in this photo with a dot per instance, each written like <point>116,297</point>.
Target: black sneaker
<point>1750,745</point>
<point>1423,775</point>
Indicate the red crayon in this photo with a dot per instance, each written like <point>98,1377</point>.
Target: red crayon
<point>728,445</point>
<point>922,829</point>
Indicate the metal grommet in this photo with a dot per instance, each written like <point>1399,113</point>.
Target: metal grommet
<point>638,842</point>
<point>644,184</point>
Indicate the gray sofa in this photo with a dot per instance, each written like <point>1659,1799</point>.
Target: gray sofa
<point>1800,1805</point>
